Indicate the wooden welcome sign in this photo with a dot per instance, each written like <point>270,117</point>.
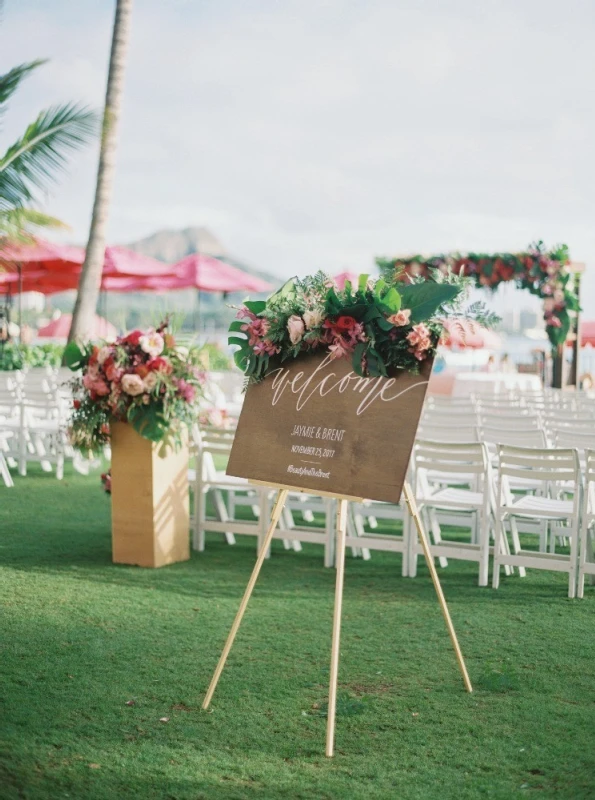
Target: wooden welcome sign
<point>313,423</point>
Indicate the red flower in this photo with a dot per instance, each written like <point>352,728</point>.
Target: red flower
<point>344,323</point>
<point>160,364</point>
<point>142,370</point>
<point>76,403</point>
<point>133,338</point>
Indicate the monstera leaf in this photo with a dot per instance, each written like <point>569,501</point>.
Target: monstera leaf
<point>424,299</point>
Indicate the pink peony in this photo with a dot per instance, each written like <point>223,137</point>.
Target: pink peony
<point>295,326</point>
<point>400,318</point>
<point>133,385</point>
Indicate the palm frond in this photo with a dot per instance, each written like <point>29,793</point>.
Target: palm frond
<point>9,82</point>
<point>19,224</point>
<point>34,160</point>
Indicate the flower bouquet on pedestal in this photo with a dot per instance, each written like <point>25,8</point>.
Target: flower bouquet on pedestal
<point>140,394</point>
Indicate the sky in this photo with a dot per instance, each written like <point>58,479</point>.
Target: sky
<point>316,134</point>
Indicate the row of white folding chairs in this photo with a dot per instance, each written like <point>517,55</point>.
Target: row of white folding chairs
<point>33,427</point>
<point>452,482</point>
<point>228,494</point>
<point>541,488</point>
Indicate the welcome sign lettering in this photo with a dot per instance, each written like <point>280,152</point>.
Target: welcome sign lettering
<point>316,425</point>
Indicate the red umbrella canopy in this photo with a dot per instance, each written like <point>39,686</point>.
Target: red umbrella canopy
<point>208,274</point>
<point>59,328</point>
<point>122,261</point>
<point>588,333</point>
<point>41,256</point>
<point>466,333</point>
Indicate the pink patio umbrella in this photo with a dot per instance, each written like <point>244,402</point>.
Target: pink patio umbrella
<point>208,274</point>
<point>340,279</point>
<point>588,333</point>
<point>59,328</point>
<point>464,333</point>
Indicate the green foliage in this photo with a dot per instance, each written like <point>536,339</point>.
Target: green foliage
<point>31,164</point>
<point>95,654</point>
<point>363,323</point>
<point>13,356</point>
<point>541,272</point>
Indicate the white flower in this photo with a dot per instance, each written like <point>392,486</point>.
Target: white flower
<point>313,318</point>
<point>152,343</point>
<point>133,385</point>
<point>150,382</point>
<point>103,354</point>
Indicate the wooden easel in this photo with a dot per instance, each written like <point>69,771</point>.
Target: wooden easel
<point>340,567</point>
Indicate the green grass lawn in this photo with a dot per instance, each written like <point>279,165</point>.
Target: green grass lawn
<point>103,669</point>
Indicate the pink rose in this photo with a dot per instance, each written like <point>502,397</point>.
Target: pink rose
<point>295,326</point>
<point>133,385</point>
<point>400,318</point>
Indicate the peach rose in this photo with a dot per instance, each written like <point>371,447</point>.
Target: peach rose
<point>295,326</point>
<point>133,385</point>
<point>400,318</point>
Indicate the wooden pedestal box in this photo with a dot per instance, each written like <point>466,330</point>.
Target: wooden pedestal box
<point>150,501</point>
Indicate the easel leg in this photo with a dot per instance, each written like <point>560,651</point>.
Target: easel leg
<point>412,505</point>
<point>340,565</point>
<point>276,513</point>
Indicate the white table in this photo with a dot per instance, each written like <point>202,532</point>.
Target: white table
<point>467,383</point>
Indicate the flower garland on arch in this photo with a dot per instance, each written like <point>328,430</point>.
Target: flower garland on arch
<point>377,324</point>
<point>540,271</point>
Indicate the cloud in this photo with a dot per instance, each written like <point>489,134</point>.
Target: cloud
<point>319,134</point>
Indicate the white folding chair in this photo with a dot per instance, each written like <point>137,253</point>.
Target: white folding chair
<point>454,478</point>
<point>586,563</point>
<point>559,472</point>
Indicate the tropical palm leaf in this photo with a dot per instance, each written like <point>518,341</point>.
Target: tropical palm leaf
<point>32,162</point>
<point>18,224</point>
<point>9,82</point>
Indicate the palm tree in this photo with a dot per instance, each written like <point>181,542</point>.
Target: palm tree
<point>32,163</point>
<point>90,282</point>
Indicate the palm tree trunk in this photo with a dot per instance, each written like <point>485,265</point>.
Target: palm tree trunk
<point>90,281</point>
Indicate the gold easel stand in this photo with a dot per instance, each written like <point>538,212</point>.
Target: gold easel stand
<point>340,565</point>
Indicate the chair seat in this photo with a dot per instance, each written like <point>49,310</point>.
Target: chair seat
<point>461,499</point>
<point>529,506</point>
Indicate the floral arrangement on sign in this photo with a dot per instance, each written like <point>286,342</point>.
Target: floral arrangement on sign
<point>540,271</point>
<point>377,324</point>
<point>142,378</point>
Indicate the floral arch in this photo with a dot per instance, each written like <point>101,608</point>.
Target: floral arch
<point>543,272</point>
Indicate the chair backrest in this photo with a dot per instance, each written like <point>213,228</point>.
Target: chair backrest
<point>553,465</point>
<point>509,421</point>
<point>450,458</point>
<point>531,437</point>
<point>580,439</point>
<point>589,471</point>
<point>448,432</point>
